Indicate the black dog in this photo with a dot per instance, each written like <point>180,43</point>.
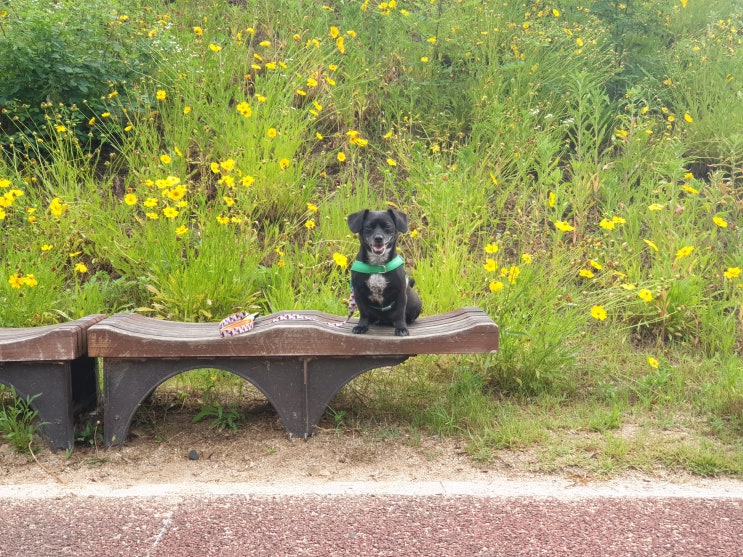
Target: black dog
<point>381,288</point>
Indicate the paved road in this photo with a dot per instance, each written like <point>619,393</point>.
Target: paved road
<point>369,519</point>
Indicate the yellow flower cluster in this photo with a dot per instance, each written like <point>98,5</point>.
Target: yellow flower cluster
<point>19,279</point>
<point>509,273</point>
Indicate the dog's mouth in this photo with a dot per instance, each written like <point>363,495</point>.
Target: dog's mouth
<point>378,249</point>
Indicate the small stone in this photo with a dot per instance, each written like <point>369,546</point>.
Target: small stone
<point>193,455</point>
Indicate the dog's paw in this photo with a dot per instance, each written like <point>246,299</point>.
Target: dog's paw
<point>401,332</point>
<point>360,329</point>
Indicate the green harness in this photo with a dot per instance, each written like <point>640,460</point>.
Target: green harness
<point>367,269</point>
<point>361,267</point>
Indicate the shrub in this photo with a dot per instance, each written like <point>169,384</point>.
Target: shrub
<point>66,53</point>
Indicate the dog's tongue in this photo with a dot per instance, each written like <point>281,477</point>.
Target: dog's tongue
<point>378,249</point>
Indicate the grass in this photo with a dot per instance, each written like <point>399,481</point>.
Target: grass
<point>578,180</point>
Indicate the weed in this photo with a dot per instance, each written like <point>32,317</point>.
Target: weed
<point>224,417</point>
<point>91,434</point>
<point>18,422</point>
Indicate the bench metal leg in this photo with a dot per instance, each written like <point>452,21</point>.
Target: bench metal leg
<point>61,392</point>
<point>326,376</point>
<point>298,389</point>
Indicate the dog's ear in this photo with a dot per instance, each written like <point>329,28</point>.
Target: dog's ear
<point>356,220</point>
<point>400,219</point>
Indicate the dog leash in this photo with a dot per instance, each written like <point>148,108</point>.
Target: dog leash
<point>243,322</point>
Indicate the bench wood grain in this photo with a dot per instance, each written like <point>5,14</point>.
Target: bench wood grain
<point>299,365</point>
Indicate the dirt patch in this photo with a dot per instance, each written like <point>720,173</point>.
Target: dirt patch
<point>164,446</point>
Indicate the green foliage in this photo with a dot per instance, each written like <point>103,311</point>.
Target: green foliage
<point>223,416</point>
<point>91,434</point>
<point>73,53</point>
<point>18,423</point>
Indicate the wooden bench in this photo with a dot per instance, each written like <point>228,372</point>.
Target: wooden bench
<point>299,365</point>
<point>51,361</point>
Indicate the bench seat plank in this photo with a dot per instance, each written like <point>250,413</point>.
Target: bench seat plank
<point>63,341</point>
<point>467,330</point>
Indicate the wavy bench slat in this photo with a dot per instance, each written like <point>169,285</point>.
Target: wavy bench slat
<point>134,336</point>
<point>298,364</point>
<point>51,361</point>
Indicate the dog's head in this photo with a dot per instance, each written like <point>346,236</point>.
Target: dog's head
<point>377,232</point>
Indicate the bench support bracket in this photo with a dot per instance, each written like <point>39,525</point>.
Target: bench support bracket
<point>299,389</point>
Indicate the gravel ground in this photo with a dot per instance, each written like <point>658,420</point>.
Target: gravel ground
<point>323,518</point>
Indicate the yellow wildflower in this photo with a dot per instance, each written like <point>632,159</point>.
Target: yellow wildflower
<point>563,226</point>
<point>340,260</point>
<point>57,207</point>
<point>645,295</point>
<point>651,244</point>
<point>228,165</point>
<point>170,212</point>
<point>15,281</point>
<point>495,286</point>
<point>598,312</point>
<point>684,252</point>
<point>244,109</point>
<point>513,274</point>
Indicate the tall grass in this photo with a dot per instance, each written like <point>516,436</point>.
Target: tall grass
<point>574,177</point>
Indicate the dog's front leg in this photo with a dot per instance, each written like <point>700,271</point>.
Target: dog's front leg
<point>400,329</point>
<point>362,326</point>
<point>399,321</point>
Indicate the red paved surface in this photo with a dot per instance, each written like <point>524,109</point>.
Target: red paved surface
<point>235,525</point>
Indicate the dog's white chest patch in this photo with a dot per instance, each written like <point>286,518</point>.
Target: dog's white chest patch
<point>377,283</point>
